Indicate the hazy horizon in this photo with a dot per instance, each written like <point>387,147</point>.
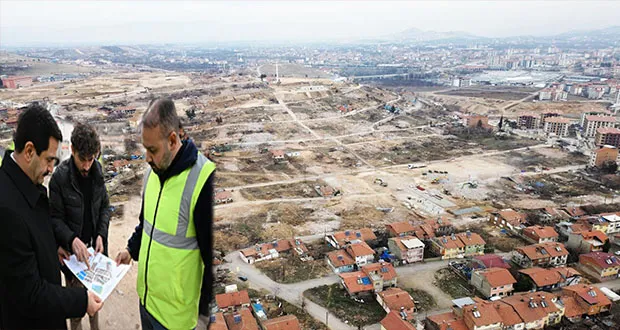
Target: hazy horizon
<point>25,23</point>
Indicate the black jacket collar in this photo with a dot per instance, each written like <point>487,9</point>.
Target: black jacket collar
<point>186,157</point>
<point>29,190</point>
<point>95,172</point>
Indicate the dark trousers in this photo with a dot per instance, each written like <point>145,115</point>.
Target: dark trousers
<point>148,321</point>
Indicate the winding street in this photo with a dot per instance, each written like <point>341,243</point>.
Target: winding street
<point>293,293</point>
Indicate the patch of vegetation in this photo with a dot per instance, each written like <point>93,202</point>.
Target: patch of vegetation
<point>335,299</point>
<point>296,190</point>
<point>451,284</point>
<point>424,300</point>
<point>293,270</point>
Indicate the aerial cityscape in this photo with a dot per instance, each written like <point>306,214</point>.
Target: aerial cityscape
<point>424,178</point>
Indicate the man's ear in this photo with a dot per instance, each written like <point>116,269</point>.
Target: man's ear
<point>29,151</point>
<point>173,137</point>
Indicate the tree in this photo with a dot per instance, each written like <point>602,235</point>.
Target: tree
<point>606,246</point>
<point>130,145</point>
<point>609,166</point>
<point>190,113</point>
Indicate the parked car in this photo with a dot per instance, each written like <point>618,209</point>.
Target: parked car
<point>243,278</point>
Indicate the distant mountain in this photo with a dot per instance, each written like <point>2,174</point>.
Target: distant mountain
<point>610,33</point>
<point>415,34</point>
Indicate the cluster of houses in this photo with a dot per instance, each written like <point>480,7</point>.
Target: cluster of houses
<point>525,310</point>
<point>591,90</point>
<point>235,311</point>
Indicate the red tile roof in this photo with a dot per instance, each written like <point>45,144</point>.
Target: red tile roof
<point>247,322</point>
<point>497,276</point>
<point>541,231</point>
<point>384,269</point>
<point>590,294</point>
<point>359,249</point>
<point>595,234</point>
<point>447,321</point>
<point>340,258</point>
<point>492,260</point>
<point>542,277</point>
<point>287,322</point>
<point>470,239</point>
<point>572,308</point>
<point>509,316</point>
<point>529,305</point>
<point>488,314</point>
<point>543,250</point>
<point>513,217</point>
<point>393,322</point>
<point>601,259</point>
<point>450,242</point>
<point>219,324</point>
<point>400,227</point>
<point>395,298</point>
<point>355,283</point>
<point>232,299</point>
<point>364,234</point>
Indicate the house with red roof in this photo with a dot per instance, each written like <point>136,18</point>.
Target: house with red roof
<point>587,241</point>
<point>543,279</point>
<point>393,321</point>
<point>542,255</point>
<point>400,229</point>
<point>398,300</point>
<point>592,300</point>
<point>492,282</point>
<point>540,234</point>
<point>600,265</point>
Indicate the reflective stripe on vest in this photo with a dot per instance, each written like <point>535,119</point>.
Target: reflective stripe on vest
<point>170,266</point>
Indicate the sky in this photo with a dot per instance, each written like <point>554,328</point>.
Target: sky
<point>27,22</point>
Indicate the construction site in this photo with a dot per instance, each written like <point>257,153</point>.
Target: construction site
<point>301,156</point>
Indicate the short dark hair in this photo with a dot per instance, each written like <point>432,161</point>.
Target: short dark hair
<point>36,125</point>
<point>84,140</point>
<point>162,113</point>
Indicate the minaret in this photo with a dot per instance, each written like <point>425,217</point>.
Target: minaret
<point>277,73</point>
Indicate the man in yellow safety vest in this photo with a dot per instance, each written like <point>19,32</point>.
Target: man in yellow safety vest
<point>173,241</point>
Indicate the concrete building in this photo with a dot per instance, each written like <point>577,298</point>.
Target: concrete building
<point>591,298</point>
<point>393,321</point>
<point>546,115</point>
<point>409,249</point>
<point>475,121</point>
<point>607,136</point>
<point>361,252</point>
<point>492,282</point>
<point>613,223</point>
<point>557,126</point>
<point>528,121</point>
<point>592,123</point>
<point>17,81</point>
<point>604,154</point>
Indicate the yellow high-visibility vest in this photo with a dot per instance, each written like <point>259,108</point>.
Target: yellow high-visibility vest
<point>170,266</point>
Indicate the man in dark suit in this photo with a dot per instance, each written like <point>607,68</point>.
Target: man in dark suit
<point>31,295</point>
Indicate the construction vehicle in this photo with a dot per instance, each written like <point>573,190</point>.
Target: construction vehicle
<point>471,184</point>
<point>380,182</point>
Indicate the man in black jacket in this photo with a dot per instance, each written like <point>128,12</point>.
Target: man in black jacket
<point>31,295</point>
<point>79,204</point>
